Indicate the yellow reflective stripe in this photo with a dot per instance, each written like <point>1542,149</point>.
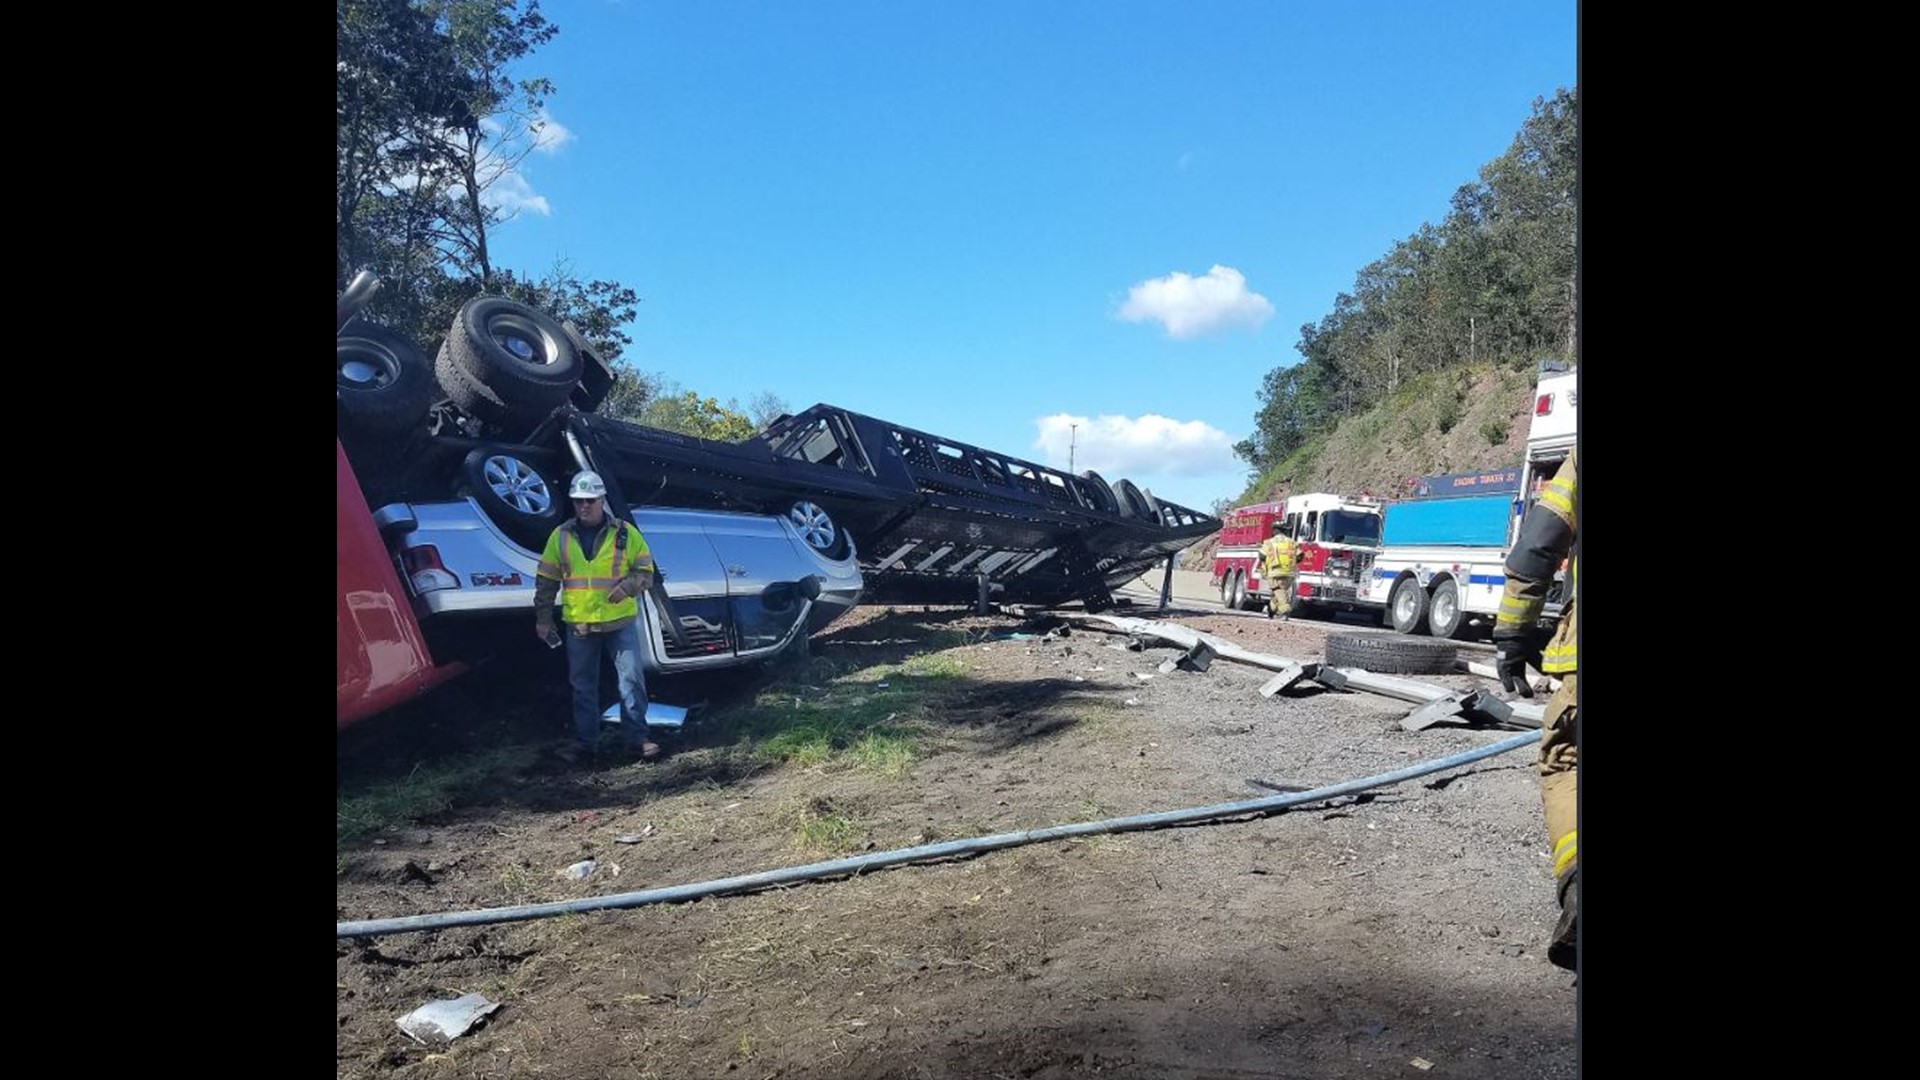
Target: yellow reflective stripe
<point>1564,852</point>
<point>1516,605</point>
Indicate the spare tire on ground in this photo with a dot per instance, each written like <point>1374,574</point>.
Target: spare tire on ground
<point>1392,654</point>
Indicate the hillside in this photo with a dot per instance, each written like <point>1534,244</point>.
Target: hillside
<point>1444,421</point>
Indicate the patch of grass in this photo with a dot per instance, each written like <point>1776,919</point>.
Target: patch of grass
<point>886,754</point>
<point>823,825</point>
<point>864,716</point>
<point>428,789</point>
<point>935,666</point>
<point>516,880</point>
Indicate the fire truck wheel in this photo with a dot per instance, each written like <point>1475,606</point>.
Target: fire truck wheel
<point>1391,654</point>
<point>1444,614</point>
<point>1407,607</point>
<point>1300,608</point>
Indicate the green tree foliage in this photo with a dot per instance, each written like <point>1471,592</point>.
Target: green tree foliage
<point>690,414</point>
<point>1493,282</point>
<point>428,120</point>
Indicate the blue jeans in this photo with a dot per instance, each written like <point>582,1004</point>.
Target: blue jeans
<point>583,672</point>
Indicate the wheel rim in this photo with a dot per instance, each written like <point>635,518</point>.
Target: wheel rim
<point>1403,604</point>
<point>523,339</point>
<point>513,483</point>
<point>362,365</point>
<point>1444,608</point>
<point>815,527</point>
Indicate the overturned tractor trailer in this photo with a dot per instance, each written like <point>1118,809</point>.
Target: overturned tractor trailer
<point>1441,564</point>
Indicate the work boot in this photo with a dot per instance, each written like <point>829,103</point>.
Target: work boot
<point>1564,948</point>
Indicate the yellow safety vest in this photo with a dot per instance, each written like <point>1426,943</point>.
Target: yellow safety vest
<point>1277,554</point>
<point>584,582</point>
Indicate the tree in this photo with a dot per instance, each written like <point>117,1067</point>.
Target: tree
<point>690,414</point>
<point>429,122</point>
<point>765,407</point>
<point>1493,282</point>
<point>503,122</point>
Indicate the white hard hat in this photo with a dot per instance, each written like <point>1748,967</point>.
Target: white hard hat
<point>587,485</point>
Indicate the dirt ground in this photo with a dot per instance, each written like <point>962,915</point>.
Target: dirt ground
<point>1399,932</point>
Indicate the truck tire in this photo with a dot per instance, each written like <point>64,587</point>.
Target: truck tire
<point>1391,654</point>
<point>1445,617</point>
<point>1135,503</point>
<point>507,363</point>
<point>1300,608</point>
<point>1407,607</point>
<point>381,381</point>
<point>1101,492</point>
<point>516,496</point>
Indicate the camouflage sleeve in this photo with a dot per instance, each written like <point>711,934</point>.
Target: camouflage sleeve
<point>1546,537</point>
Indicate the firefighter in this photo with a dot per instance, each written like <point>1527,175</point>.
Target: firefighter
<point>1548,536</point>
<point>1276,568</point>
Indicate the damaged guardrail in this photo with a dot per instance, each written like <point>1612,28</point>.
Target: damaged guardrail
<point>1436,703</point>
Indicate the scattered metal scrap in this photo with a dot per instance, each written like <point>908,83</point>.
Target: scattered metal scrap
<point>1435,703</point>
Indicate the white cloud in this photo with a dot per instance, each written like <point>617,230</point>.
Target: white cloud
<point>1118,446</point>
<point>1190,306</point>
<point>511,194</point>
<point>549,135</point>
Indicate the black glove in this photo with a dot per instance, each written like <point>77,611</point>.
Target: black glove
<point>1511,656</point>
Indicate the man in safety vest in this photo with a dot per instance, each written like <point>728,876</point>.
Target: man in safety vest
<point>597,567</point>
<point>1276,569</point>
<point>1548,537</point>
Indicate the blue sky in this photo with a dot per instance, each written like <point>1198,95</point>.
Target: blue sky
<point>992,220</point>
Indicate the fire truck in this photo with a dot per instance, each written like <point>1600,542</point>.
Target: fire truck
<point>1330,532</point>
<point>1441,565</point>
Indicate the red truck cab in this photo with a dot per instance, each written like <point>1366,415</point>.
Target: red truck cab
<point>381,654</point>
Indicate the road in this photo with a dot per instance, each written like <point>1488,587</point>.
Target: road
<point>1193,590</point>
